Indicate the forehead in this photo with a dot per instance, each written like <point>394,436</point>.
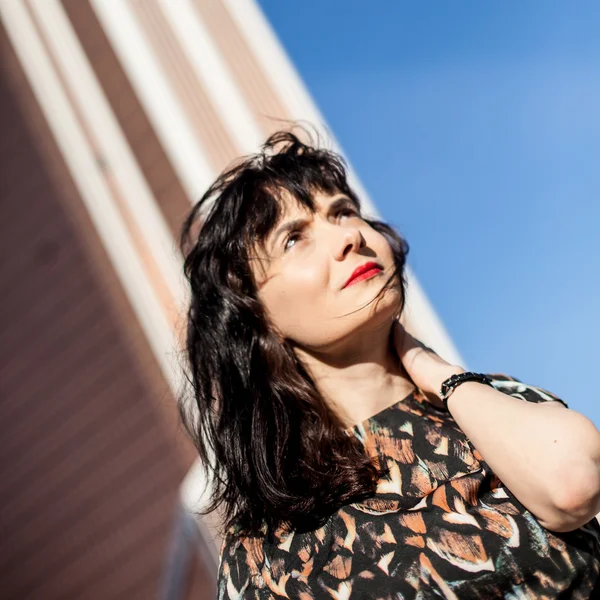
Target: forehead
<point>290,205</point>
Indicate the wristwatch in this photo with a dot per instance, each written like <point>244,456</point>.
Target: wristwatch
<point>455,380</point>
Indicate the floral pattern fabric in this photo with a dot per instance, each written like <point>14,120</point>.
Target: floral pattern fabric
<point>441,525</point>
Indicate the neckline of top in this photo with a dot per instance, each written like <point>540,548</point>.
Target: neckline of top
<point>411,396</point>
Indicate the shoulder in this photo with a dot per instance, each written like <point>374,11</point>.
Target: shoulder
<point>241,563</point>
<point>523,391</point>
<point>262,569</point>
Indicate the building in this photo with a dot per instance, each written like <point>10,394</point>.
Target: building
<point>116,115</point>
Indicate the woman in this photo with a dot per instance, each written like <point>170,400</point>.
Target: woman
<point>340,471</point>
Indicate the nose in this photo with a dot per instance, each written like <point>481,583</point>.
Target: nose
<point>351,240</point>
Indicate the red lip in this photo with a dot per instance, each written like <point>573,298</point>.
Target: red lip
<point>362,269</point>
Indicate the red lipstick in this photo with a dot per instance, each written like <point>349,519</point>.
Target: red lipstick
<point>363,272</point>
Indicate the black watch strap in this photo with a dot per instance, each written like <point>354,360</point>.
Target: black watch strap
<point>455,380</point>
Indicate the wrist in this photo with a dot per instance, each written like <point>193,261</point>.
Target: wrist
<point>459,390</point>
<point>442,376</point>
<point>451,387</point>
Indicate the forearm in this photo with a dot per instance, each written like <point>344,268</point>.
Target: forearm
<point>547,456</point>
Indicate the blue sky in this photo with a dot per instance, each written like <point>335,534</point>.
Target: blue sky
<point>475,128</point>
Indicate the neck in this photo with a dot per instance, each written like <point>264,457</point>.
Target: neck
<point>360,380</point>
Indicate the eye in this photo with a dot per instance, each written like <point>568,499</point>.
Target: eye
<point>297,235</point>
<point>348,210</point>
<point>294,235</point>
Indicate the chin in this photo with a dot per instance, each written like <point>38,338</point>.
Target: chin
<point>380,315</point>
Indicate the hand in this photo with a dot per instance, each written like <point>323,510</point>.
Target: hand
<point>427,369</point>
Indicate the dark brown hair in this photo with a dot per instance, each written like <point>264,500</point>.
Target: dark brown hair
<point>275,452</point>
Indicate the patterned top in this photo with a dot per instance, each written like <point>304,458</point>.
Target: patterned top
<point>441,525</point>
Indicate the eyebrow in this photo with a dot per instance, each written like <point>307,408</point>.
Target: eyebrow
<point>297,223</point>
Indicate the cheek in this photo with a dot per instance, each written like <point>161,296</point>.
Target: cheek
<point>382,248</point>
<point>293,295</point>
<point>301,283</point>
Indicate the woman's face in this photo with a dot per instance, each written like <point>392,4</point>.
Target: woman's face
<point>304,268</point>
